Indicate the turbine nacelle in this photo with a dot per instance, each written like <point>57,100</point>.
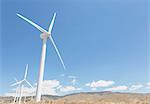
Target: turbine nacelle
<point>44,35</point>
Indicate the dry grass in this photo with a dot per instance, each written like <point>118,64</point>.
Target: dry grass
<point>84,98</point>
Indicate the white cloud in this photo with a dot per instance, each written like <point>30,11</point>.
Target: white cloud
<point>26,91</point>
<point>50,83</point>
<point>59,87</point>
<point>62,75</point>
<point>73,79</point>
<point>135,87</point>
<point>117,88</point>
<point>100,83</point>
<point>70,76</point>
<point>87,84</point>
<point>69,88</point>
<point>93,89</point>
<point>49,87</point>
<point>148,85</point>
<point>9,94</point>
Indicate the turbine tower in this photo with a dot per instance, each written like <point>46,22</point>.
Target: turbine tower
<point>16,92</point>
<point>21,85</point>
<point>44,36</point>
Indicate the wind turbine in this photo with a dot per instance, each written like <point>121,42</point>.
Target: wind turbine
<point>21,85</point>
<point>16,92</point>
<point>44,36</point>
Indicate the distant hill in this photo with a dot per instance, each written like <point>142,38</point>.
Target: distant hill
<point>89,98</point>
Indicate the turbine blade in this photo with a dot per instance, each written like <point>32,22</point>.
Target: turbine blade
<point>52,23</point>
<point>57,51</point>
<point>29,84</point>
<point>14,84</point>
<point>17,83</point>
<point>32,23</point>
<point>26,72</point>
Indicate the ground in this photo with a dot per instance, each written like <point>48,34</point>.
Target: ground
<point>87,98</point>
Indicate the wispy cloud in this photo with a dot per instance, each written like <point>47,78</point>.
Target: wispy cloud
<point>100,83</point>
<point>117,88</point>
<point>148,85</point>
<point>62,75</point>
<point>73,79</point>
<point>69,88</point>
<point>71,76</point>
<point>135,87</point>
<point>93,89</point>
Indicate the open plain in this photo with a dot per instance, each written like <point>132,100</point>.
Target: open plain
<point>87,98</point>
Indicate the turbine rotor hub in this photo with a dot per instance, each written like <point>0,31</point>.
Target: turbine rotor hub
<point>44,35</point>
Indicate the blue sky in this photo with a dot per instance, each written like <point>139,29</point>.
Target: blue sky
<point>99,40</point>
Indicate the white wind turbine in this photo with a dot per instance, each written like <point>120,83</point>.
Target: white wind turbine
<point>21,85</point>
<point>16,93</point>
<point>44,36</point>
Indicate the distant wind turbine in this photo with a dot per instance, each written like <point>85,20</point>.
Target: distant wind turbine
<point>16,92</point>
<point>21,85</point>
<point>44,36</point>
